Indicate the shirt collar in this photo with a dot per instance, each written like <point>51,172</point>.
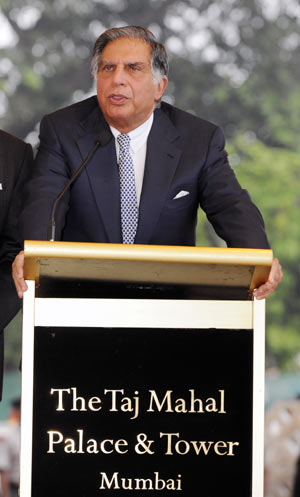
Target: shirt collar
<point>138,136</point>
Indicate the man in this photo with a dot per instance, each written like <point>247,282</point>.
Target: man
<point>10,451</point>
<point>15,163</point>
<point>175,162</point>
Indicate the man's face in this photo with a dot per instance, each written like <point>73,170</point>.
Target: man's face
<point>125,85</point>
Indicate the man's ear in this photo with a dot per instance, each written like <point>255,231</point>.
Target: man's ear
<point>160,88</point>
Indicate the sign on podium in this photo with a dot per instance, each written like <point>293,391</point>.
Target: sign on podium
<point>142,370</point>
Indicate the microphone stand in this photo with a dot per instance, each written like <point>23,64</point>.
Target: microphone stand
<point>52,224</point>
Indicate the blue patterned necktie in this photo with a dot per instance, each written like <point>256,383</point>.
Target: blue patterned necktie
<point>129,207</point>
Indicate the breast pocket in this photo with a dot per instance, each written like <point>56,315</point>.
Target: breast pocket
<point>181,199</point>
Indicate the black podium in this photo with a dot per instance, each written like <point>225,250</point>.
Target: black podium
<point>142,370</point>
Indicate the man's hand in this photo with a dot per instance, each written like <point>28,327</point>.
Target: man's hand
<point>274,279</point>
<point>18,274</point>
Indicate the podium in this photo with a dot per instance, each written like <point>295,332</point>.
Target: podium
<point>142,370</point>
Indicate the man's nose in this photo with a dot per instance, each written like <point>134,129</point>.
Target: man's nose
<point>119,76</point>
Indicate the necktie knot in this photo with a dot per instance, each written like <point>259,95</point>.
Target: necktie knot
<point>124,142</point>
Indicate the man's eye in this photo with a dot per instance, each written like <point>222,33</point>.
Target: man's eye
<point>134,67</point>
<point>108,67</point>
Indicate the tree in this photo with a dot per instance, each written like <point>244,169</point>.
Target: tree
<point>235,62</point>
<point>273,178</point>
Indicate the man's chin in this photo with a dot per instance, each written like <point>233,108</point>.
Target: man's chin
<point>119,120</point>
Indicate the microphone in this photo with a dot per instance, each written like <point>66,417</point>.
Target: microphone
<point>103,138</point>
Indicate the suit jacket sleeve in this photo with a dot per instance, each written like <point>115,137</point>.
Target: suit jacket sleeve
<point>20,168</point>
<point>228,207</point>
<point>50,174</point>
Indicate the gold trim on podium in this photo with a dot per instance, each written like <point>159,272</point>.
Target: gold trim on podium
<point>147,263</point>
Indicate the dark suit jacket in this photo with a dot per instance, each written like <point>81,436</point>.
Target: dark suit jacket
<point>183,153</point>
<point>296,483</point>
<point>15,162</point>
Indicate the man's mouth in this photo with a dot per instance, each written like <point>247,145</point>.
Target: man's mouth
<point>117,99</point>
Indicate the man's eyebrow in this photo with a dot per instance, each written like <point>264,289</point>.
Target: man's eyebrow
<point>106,62</point>
<point>136,63</point>
<point>126,63</point>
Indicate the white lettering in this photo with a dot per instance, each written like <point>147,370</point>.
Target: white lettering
<point>159,406</point>
<point>60,391</point>
<point>105,483</point>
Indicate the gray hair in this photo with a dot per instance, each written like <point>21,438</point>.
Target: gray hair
<point>159,57</point>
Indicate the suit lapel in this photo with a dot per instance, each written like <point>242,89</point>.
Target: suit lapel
<point>161,163</point>
<point>102,172</point>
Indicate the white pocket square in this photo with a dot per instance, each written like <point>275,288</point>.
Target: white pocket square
<point>182,193</point>
<point>1,187</point>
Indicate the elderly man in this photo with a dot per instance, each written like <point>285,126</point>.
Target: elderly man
<point>15,164</point>
<point>155,164</point>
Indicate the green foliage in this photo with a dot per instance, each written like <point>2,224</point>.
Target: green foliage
<point>235,62</point>
<point>272,177</point>
<point>230,62</point>
<point>33,80</point>
<point>284,345</point>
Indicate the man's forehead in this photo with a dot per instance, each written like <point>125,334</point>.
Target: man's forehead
<point>131,49</point>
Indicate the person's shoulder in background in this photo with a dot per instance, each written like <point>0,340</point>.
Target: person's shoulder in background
<point>16,158</point>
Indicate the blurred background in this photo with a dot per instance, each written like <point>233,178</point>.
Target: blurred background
<point>233,62</point>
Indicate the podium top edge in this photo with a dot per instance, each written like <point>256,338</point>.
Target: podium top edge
<point>155,253</point>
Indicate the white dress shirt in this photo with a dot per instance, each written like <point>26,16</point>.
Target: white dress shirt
<point>138,150</point>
